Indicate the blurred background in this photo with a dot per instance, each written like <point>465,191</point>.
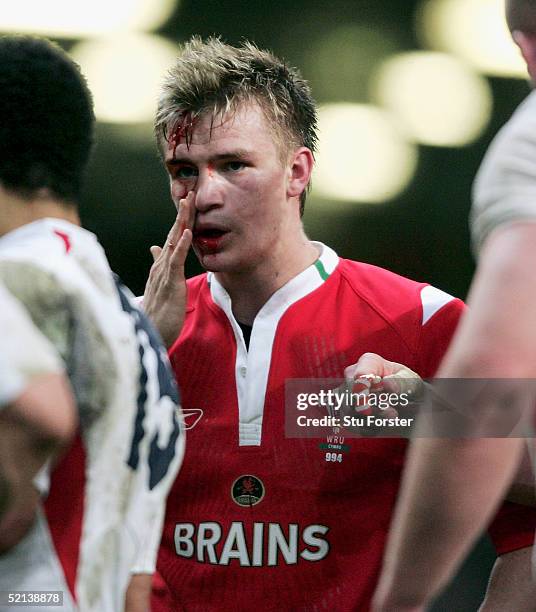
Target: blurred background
<point>410,93</point>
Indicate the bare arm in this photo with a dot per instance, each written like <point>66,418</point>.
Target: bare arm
<point>439,513</point>
<point>511,587</point>
<point>32,428</point>
<point>138,594</point>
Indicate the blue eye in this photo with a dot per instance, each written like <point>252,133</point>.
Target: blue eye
<point>234,166</point>
<point>186,173</point>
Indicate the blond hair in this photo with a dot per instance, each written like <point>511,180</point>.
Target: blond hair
<point>215,78</point>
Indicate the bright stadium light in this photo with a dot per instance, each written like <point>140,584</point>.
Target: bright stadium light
<point>439,100</point>
<point>362,155</point>
<point>124,74</point>
<point>80,18</point>
<point>473,30</point>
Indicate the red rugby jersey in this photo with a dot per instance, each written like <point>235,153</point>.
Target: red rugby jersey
<point>310,533</point>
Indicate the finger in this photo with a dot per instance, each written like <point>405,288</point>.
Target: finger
<point>156,251</point>
<point>362,386</point>
<point>523,42</point>
<point>173,235</point>
<point>191,218</point>
<point>527,45</point>
<point>178,256</point>
<point>369,363</point>
<point>404,381</point>
<point>186,212</point>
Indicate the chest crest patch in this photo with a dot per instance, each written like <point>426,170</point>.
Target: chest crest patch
<point>247,490</point>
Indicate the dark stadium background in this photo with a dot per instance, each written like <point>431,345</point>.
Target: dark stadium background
<point>421,234</point>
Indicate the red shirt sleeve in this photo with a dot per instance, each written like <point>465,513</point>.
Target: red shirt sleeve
<point>436,335</point>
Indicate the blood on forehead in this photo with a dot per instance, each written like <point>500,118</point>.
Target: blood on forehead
<point>183,128</point>
<point>181,131</point>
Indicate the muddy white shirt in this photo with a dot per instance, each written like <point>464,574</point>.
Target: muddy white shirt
<point>127,401</point>
<point>25,353</point>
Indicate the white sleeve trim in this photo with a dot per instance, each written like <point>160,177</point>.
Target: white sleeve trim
<point>432,300</point>
<point>145,561</point>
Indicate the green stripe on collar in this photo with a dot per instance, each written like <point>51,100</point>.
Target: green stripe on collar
<point>321,270</point>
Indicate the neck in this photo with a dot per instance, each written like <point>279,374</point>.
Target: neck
<point>17,211</point>
<point>249,290</point>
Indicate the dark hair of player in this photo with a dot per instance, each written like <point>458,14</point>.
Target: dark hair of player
<point>46,120</point>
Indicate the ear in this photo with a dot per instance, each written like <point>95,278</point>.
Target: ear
<point>299,171</point>
<point>527,44</point>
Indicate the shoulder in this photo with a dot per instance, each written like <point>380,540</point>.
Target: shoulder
<point>34,260</point>
<point>66,301</point>
<point>37,287</point>
<point>424,317</point>
<point>54,258</point>
<point>16,325</point>
<point>196,283</point>
<point>26,353</point>
<point>197,287</point>
<point>505,184</point>
<point>393,296</point>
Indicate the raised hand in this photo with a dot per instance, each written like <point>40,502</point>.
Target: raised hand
<point>164,299</point>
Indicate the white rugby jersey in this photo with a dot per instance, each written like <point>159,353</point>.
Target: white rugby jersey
<point>127,401</point>
<point>504,190</point>
<point>24,352</point>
